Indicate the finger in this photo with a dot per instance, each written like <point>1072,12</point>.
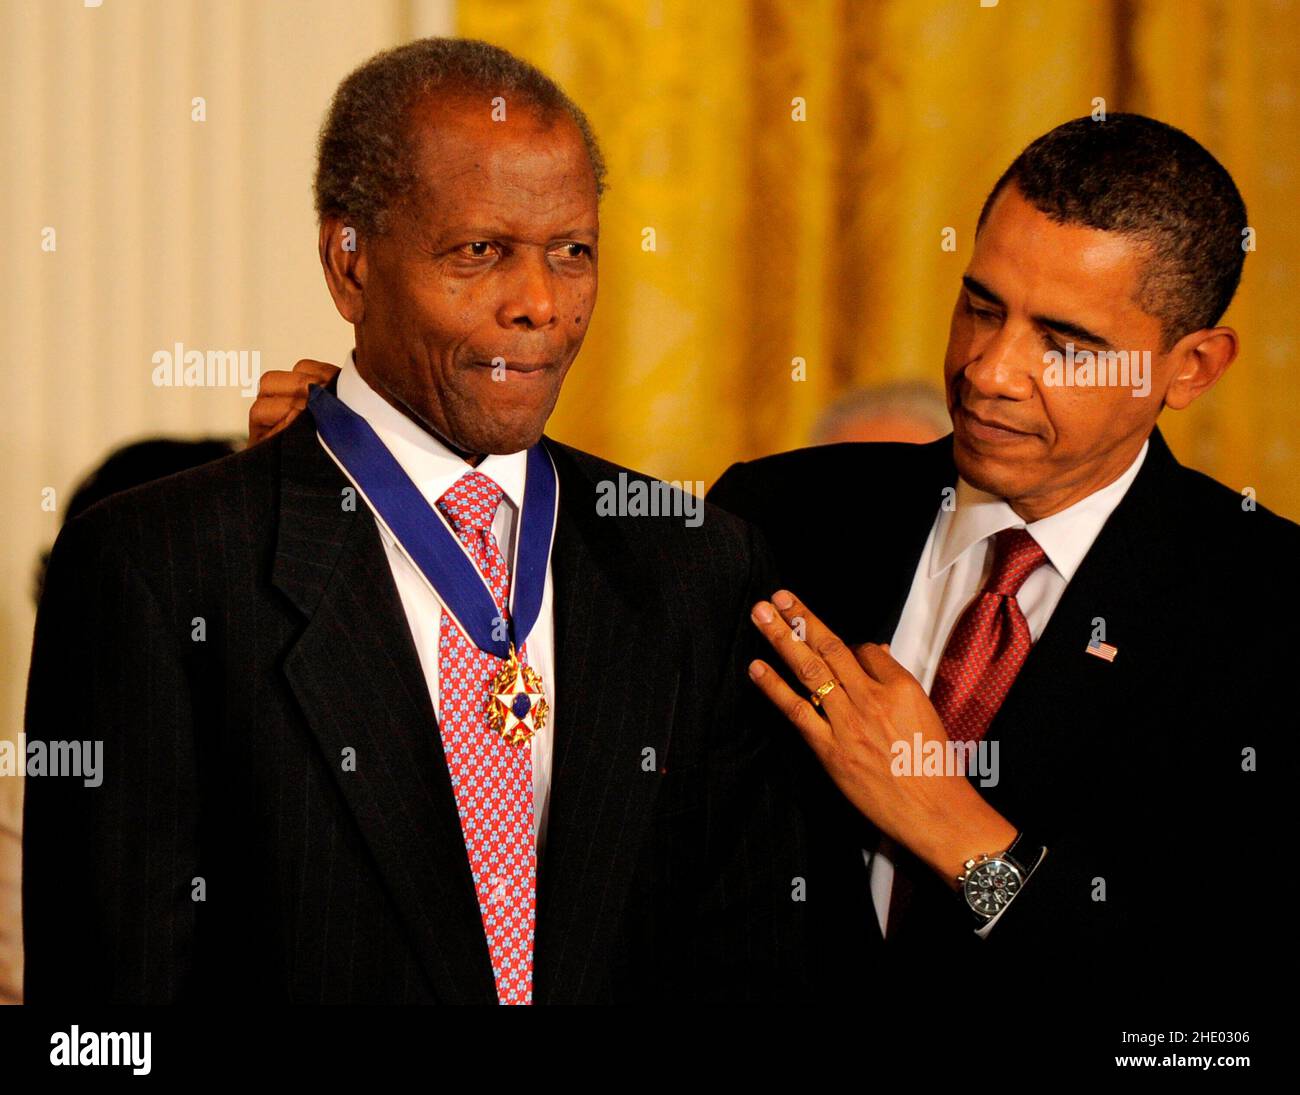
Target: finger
<point>271,431</point>
<point>260,431</point>
<point>879,663</point>
<point>808,667</point>
<point>278,382</point>
<point>829,647</point>
<point>802,714</point>
<point>321,371</point>
<point>267,417</point>
<point>268,410</point>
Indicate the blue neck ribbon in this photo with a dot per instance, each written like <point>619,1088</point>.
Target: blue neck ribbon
<point>428,540</point>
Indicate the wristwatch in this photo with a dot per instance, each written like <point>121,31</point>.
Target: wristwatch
<point>991,881</point>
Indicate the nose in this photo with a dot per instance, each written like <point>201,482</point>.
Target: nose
<point>1005,365</point>
<point>530,299</point>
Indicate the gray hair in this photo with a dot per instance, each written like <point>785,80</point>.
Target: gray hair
<point>364,155</point>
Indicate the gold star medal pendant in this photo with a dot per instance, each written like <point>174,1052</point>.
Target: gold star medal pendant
<point>517,706</point>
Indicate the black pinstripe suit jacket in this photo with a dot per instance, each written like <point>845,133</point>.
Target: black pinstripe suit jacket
<point>233,633</point>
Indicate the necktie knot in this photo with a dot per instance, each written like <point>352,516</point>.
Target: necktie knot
<point>470,503</point>
<point>1016,555</point>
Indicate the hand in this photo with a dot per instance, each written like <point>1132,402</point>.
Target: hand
<point>874,710</point>
<point>282,397</point>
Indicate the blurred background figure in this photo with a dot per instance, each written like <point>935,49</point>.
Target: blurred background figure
<point>131,466</point>
<point>126,467</point>
<point>907,411</point>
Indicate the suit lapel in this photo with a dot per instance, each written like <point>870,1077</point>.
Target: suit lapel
<point>356,675</point>
<point>615,698</point>
<point>1064,700</point>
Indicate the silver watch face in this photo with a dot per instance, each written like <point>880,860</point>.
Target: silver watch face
<point>990,886</point>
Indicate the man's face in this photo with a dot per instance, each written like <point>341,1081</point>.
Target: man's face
<point>477,300</point>
<point>1034,286</point>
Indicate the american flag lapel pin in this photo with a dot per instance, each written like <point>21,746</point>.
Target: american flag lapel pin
<point>1099,649</point>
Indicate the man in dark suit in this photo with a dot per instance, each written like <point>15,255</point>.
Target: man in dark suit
<point>315,786</point>
<point>1100,628</point>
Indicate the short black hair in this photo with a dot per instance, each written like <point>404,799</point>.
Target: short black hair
<point>363,157</point>
<point>1140,177</point>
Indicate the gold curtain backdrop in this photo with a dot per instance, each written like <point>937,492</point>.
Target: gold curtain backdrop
<point>820,239</point>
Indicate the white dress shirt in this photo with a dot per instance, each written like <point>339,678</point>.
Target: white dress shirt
<point>953,568</point>
<point>433,468</point>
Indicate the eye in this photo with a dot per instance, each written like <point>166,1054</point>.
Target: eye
<point>573,250</point>
<point>982,313</point>
<point>1052,344</point>
<point>478,249</point>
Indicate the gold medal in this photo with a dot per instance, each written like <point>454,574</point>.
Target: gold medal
<point>516,704</point>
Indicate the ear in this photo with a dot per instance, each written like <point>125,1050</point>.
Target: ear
<point>343,258</point>
<point>1199,358</point>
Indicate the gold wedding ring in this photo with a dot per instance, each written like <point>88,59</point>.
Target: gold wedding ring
<point>825,689</point>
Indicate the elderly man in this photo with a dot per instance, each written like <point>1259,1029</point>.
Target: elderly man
<point>389,712</point>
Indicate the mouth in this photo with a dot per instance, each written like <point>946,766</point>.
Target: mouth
<point>990,429</point>
<point>519,368</point>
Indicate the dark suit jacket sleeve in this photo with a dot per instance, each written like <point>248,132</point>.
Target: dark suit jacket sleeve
<point>825,897</point>
<point>108,870</point>
<point>749,931</point>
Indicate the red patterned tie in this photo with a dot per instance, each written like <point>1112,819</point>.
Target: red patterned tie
<point>989,644</point>
<point>984,653</point>
<point>492,780</point>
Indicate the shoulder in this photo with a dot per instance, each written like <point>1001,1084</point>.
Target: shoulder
<point>758,489</point>
<point>1228,526</point>
<point>666,526</point>
<point>819,459</point>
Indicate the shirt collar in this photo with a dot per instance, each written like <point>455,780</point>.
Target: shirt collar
<point>1065,537</point>
<point>432,466</point>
